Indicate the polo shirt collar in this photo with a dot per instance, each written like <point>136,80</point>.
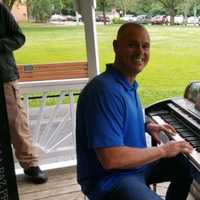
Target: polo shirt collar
<point>120,78</point>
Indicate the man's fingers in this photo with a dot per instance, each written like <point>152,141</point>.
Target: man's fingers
<point>157,139</point>
<point>168,129</point>
<point>186,147</point>
<point>175,147</point>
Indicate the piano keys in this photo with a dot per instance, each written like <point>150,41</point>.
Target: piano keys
<point>183,113</point>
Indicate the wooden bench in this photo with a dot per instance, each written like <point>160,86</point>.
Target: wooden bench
<point>53,71</point>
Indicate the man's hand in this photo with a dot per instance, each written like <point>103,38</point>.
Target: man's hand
<point>173,148</point>
<point>155,129</point>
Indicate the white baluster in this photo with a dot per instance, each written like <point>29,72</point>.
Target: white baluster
<point>45,136</point>
<point>40,118</point>
<point>73,117</point>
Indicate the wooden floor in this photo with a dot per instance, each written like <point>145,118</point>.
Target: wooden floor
<point>61,185</point>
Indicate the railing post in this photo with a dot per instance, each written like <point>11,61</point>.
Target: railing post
<point>73,116</point>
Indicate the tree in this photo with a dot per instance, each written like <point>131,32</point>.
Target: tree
<point>170,7</point>
<point>144,6</point>
<point>157,9</point>
<point>29,8</point>
<point>68,7</point>
<point>9,3</point>
<point>194,6</point>
<point>184,9</point>
<point>40,10</point>
<point>56,6</point>
<point>103,5</point>
<point>126,5</point>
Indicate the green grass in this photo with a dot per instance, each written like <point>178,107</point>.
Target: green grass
<point>175,59</point>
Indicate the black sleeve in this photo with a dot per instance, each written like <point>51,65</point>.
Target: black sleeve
<point>12,37</point>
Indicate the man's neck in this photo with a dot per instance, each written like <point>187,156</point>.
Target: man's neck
<point>130,77</point>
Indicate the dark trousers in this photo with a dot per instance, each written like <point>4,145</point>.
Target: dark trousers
<point>176,170</point>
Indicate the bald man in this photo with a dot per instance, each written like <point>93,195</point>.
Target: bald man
<point>114,162</point>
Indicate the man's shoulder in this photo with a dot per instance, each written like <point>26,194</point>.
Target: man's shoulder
<point>104,81</point>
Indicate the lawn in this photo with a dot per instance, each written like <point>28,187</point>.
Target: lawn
<point>174,54</point>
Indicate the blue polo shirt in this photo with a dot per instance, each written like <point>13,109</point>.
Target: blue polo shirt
<point>109,114</point>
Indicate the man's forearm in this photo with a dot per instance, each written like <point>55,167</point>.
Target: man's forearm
<point>127,157</point>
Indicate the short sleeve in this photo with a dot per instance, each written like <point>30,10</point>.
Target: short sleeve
<point>105,119</point>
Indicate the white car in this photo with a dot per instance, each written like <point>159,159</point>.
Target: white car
<point>58,18</point>
<point>193,20</point>
<point>128,18</point>
<point>178,20</point>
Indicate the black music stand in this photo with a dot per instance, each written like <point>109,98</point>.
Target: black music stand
<point>8,183</point>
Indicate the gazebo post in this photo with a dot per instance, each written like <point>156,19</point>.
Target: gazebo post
<point>87,9</point>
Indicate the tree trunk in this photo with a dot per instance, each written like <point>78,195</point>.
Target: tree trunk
<point>9,3</point>
<point>104,14</point>
<point>186,9</point>
<point>172,15</point>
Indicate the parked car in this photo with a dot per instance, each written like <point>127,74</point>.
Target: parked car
<point>128,18</point>
<point>59,18</point>
<point>78,17</point>
<point>178,20</point>
<point>159,19</point>
<point>193,20</point>
<point>100,18</point>
<point>143,19</point>
<point>70,18</point>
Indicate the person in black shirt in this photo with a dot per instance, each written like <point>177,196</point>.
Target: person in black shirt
<point>12,38</point>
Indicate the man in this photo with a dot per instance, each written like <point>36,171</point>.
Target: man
<point>11,38</point>
<point>114,162</point>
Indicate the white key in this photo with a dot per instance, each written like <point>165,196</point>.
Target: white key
<point>194,156</point>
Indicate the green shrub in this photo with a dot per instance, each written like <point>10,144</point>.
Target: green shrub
<point>117,21</point>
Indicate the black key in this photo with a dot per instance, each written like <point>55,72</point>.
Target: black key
<point>180,130</point>
<point>170,120</point>
<point>168,117</point>
<point>177,126</point>
<point>190,139</point>
<point>185,134</point>
<point>196,146</point>
<point>195,143</point>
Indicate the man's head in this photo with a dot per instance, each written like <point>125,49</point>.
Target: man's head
<point>131,48</point>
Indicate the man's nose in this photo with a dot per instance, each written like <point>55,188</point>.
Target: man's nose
<point>139,49</point>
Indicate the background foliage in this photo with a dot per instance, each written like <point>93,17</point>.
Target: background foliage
<point>136,7</point>
<point>174,59</point>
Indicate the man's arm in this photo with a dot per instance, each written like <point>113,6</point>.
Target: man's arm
<point>127,157</point>
<point>105,122</point>
<point>12,37</point>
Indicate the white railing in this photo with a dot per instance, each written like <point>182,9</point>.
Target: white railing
<point>51,107</point>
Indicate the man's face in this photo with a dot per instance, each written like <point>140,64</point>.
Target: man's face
<point>132,49</point>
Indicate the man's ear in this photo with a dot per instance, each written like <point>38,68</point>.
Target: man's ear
<point>115,45</point>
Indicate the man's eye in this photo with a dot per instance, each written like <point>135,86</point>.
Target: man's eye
<point>146,46</point>
<point>131,45</point>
